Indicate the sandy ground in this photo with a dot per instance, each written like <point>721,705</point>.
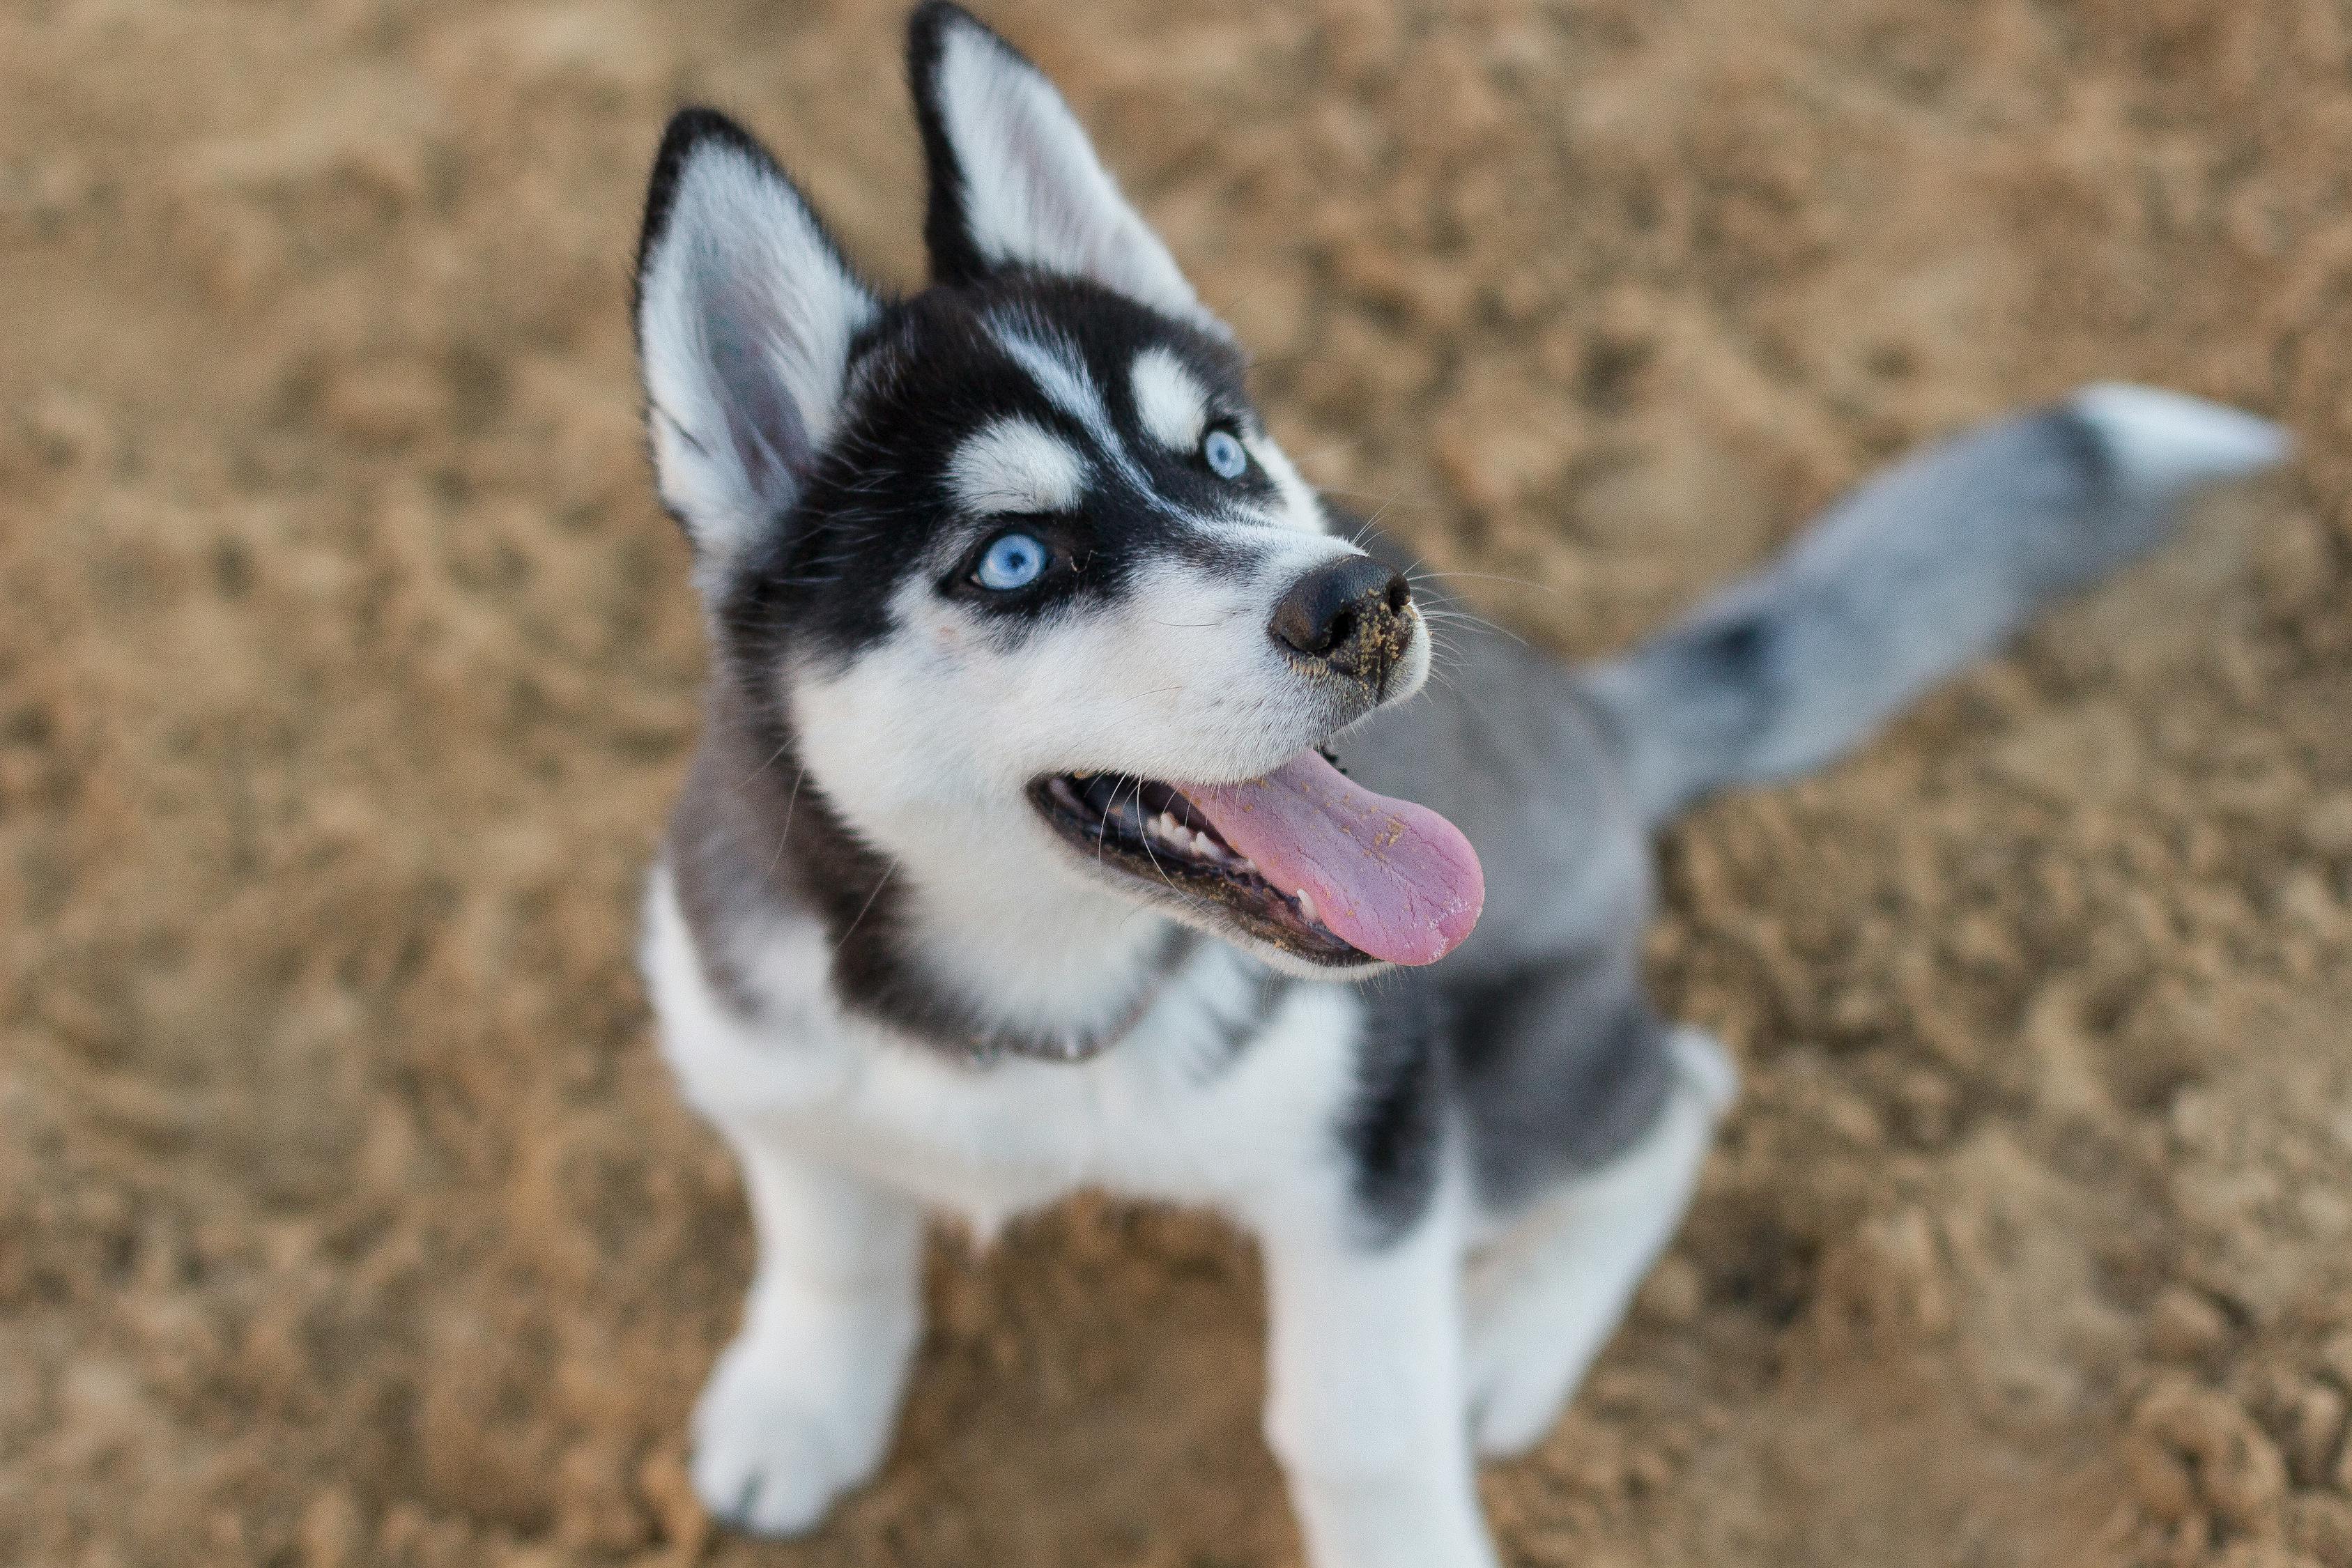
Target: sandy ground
<point>346,667</point>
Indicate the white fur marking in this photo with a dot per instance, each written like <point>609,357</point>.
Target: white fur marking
<point>1013,467</point>
<point>1060,373</point>
<point>2167,438</point>
<point>1171,403</point>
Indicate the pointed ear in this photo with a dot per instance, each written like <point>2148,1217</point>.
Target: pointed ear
<point>1013,180</point>
<point>745,314</point>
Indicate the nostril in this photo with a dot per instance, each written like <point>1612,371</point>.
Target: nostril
<point>1399,593</point>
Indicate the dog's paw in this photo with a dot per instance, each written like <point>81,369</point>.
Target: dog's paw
<point>767,1457</point>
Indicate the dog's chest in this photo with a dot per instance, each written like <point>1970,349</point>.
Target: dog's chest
<point>1216,1095</point>
<point>1165,1114</point>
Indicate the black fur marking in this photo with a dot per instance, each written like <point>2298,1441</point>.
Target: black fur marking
<point>1561,1067</point>
<point>1265,997</point>
<point>1216,552</point>
<point>2085,445</point>
<point>1739,647</point>
<point>753,840</point>
<point>947,232</point>
<point>1733,684</point>
<point>1393,1130</point>
<point>1238,1031</point>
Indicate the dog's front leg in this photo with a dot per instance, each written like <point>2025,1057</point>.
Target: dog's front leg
<point>801,1405</point>
<point>1364,1394</point>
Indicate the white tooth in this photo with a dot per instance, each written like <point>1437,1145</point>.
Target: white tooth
<point>1207,847</point>
<point>1166,823</point>
<point>1306,907</point>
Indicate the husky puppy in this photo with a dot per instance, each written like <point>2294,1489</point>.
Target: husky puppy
<point>1013,861</point>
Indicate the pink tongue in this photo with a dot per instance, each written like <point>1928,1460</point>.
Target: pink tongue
<point>1391,877</point>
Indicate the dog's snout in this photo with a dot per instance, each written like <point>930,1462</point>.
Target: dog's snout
<point>1349,614</point>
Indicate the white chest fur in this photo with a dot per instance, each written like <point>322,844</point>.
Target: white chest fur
<point>1173,1111</point>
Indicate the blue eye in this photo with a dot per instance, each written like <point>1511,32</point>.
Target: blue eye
<point>1014,560</point>
<point>1226,456</point>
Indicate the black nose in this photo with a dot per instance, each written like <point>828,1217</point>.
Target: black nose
<point>1349,613</point>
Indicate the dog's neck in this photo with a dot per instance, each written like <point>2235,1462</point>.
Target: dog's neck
<point>1008,929</point>
<point>959,934</point>
<point>987,949</point>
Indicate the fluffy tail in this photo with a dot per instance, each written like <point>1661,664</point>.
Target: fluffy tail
<point>1926,568</point>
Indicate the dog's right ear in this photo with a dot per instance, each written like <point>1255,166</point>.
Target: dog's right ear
<point>745,315</point>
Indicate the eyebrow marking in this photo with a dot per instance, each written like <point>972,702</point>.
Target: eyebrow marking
<point>1058,371</point>
<point>1015,466</point>
<point>1168,399</point>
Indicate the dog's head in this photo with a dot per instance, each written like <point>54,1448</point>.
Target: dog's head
<point>1013,560</point>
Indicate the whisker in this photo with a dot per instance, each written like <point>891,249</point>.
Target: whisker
<point>1499,577</point>
<point>763,767</point>
<point>1418,503</point>
<point>1465,618</point>
<point>880,882</point>
<point>784,833</point>
<point>1155,860</point>
<point>1226,309</point>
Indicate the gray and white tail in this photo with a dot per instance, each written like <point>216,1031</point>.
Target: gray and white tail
<point>1923,570</point>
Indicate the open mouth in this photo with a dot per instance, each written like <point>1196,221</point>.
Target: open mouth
<point>1152,830</point>
<point>1303,859</point>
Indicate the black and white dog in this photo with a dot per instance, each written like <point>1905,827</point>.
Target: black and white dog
<point>1012,862</point>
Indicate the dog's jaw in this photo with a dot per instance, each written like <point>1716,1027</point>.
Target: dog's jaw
<point>937,754</point>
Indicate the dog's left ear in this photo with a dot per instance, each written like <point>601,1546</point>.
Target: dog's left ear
<point>1013,180</point>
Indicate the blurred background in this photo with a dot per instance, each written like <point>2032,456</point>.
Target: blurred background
<point>346,667</point>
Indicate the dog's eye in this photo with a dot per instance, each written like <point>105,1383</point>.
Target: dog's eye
<point>1223,452</point>
<point>1011,561</point>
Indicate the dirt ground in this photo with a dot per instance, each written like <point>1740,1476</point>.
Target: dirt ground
<point>346,667</point>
